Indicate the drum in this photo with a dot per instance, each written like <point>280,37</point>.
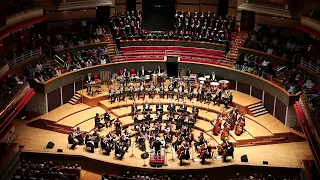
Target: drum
<point>214,85</point>
<point>147,77</point>
<point>224,83</point>
<point>201,78</point>
<point>207,76</point>
<point>201,82</point>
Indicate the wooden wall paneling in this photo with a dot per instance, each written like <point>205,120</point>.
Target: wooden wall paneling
<point>139,7</point>
<point>268,102</point>
<point>187,8</point>
<point>257,93</point>
<point>232,11</point>
<point>280,111</point>
<point>79,85</point>
<point>74,14</point>
<point>238,16</point>
<point>232,84</point>
<point>245,88</point>
<point>187,1</point>
<point>206,8</point>
<point>215,2</point>
<point>276,21</point>
<point>121,8</point>
<point>67,92</point>
<point>54,99</point>
<point>233,3</point>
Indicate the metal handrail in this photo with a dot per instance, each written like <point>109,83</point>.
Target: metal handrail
<point>59,61</point>
<point>310,65</point>
<point>281,70</point>
<point>25,56</point>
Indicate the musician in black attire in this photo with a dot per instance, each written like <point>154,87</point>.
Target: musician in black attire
<point>117,125</point>
<point>112,95</point>
<point>170,90</point>
<point>72,141</point>
<point>190,92</point>
<point>78,135</point>
<point>159,107</point>
<point>95,138</point>
<point>89,79</point>
<point>146,106</point>
<point>159,116</point>
<point>183,108</point>
<point>171,108</point>
<point>179,121</point>
<point>118,150</point>
<point>157,147</point>
<point>200,141</point>
<point>97,122</point>
<point>161,91</point>
<point>107,120</point>
<point>105,145</point>
<point>125,76</point>
<point>89,142</point>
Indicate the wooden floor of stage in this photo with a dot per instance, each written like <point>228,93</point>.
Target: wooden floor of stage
<point>284,154</point>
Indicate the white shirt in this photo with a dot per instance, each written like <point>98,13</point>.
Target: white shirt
<point>96,40</point>
<point>103,61</point>
<point>270,51</point>
<point>99,31</point>
<point>265,63</point>
<point>81,43</point>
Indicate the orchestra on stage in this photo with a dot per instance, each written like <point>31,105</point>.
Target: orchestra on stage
<point>172,127</point>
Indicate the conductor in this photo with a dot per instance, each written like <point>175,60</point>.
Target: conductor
<point>157,147</point>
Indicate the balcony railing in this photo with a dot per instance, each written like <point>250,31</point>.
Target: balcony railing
<point>311,65</point>
<point>25,56</point>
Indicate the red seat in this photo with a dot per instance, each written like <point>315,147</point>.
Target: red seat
<point>133,72</point>
<point>120,72</point>
<point>96,77</point>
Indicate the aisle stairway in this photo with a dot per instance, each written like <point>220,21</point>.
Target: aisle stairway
<point>76,99</point>
<point>257,109</point>
<point>112,49</point>
<point>241,38</point>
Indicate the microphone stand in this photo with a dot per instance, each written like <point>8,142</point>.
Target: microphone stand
<point>132,155</point>
<point>172,159</point>
<point>165,156</point>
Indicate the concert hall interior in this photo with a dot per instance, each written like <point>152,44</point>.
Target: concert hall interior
<point>159,89</point>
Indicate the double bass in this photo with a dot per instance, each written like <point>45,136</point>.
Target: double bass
<point>240,126</point>
<point>225,135</point>
<point>217,127</point>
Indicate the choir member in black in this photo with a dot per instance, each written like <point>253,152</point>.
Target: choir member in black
<point>159,107</point>
<point>152,90</point>
<point>180,92</point>
<point>112,95</point>
<point>118,150</point>
<point>171,108</point>
<point>107,120</point>
<point>71,140</point>
<point>157,147</point>
<point>161,91</point>
<point>159,116</point>
<point>200,141</point>
<point>89,142</point>
<point>141,142</point>
<point>105,145</point>
<point>146,107</point>
<point>190,92</point>
<point>170,90</point>
<point>97,122</point>
<point>131,91</point>
<point>179,121</point>
<point>117,125</point>
<point>183,108</point>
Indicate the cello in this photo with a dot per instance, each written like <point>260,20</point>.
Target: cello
<point>217,127</point>
<point>224,135</point>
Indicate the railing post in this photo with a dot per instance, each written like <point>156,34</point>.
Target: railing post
<point>22,58</point>
<point>309,64</point>
<point>40,51</point>
<point>31,53</point>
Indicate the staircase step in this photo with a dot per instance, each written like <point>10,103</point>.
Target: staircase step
<point>255,105</point>
<point>256,108</point>
<point>261,113</point>
<point>257,111</point>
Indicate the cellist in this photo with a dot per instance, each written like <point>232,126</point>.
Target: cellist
<point>200,141</point>
<point>183,152</point>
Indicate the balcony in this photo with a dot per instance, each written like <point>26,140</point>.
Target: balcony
<point>83,4</point>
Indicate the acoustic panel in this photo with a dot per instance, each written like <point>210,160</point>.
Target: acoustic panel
<point>245,88</point>
<point>67,92</point>
<point>281,110</point>
<point>54,99</point>
<point>269,102</point>
<point>257,93</point>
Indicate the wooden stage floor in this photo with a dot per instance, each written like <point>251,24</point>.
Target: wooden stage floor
<point>284,154</point>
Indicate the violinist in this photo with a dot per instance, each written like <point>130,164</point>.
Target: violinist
<point>183,108</point>
<point>112,95</point>
<point>200,141</point>
<point>78,135</point>
<point>89,142</point>
<point>146,106</point>
<point>157,128</point>
<point>191,122</point>
<point>195,111</point>
<point>200,94</point>
<point>180,92</point>
<point>107,120</point>
<point>121,95</point>
<point>183,152</point>
<point>134,109</point>
<point>71,140</point>
<point>105,145</point>
<point>147,116</point>
<point>167,136</point>
<point>141,141</point>
<point>125,140</point>
<point>190,92</point>
<point>179,121</point>
<point>117,125</point>
<point>141,90</point>
<point>168,127</point>
<point>170,117</point>
<point>97,122</point>
<point>178,141</point>
<point>144,128</point>
<point>95,138</point>
<point>217,96</point>
<point>118,150</point>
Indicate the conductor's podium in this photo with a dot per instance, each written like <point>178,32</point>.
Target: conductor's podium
<point>155,161</point>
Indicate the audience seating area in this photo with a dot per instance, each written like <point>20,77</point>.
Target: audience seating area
<point>186,54</point>
<point>277,41</point>
<point>9,86</point>
<point>13,5</point>
<point>47,170</point>
<point>74,33</point>
<point>200,26</point>
<point>42,71</point>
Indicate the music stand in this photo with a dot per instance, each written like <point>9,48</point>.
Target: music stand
<point>144,156</point>
<point>165,156</point>
<point>172,150</point>
<point>132,155</point>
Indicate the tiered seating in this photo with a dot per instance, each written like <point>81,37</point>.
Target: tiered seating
<point>185,53</point>
<point>50,170</point>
